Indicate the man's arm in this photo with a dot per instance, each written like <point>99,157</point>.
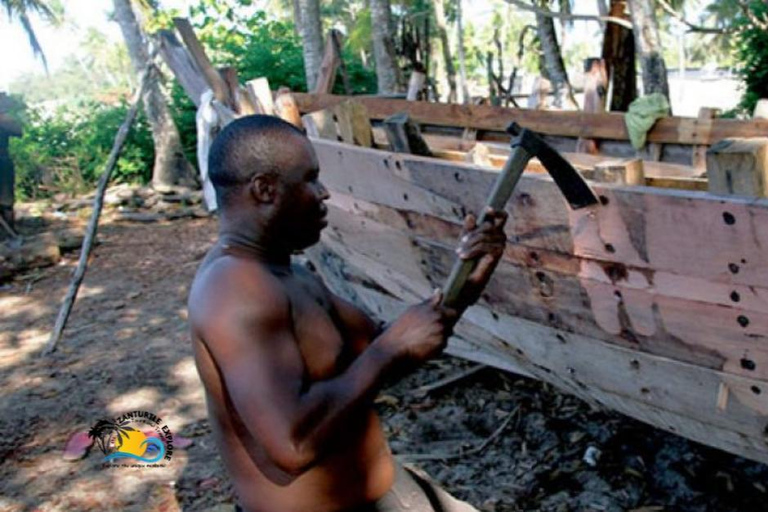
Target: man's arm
<point>246,322</point>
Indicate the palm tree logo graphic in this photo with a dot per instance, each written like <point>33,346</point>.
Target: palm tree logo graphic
<point>128,443</point>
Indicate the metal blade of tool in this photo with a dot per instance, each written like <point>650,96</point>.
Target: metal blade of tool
<point>525,146</point>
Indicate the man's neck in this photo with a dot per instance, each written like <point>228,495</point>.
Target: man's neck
<point>253,242</point>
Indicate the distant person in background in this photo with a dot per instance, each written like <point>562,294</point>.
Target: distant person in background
<point>8,128</point>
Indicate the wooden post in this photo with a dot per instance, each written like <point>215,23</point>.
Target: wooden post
<point>620,172</point>
<point>197,53</point>
<point>704,122</point>
<point>404,135</point>
<point>738,166</point>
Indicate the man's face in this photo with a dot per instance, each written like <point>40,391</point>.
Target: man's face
<point>301,214</point>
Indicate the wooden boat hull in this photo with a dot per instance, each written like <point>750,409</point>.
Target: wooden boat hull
<point>654,303</point>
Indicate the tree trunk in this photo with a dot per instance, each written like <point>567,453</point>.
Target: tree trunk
<point>462,66</point>
<point>619,56</point>
<point>553,61</point>
<point>648,44</point>
<point>308,20</point>
<point>387,72</point>
<point>442,31</point>
<point>171,166</point>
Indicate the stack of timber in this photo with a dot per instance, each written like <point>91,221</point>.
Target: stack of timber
<point>653,303</point>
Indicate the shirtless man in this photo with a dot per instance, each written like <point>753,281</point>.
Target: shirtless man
<point>290,369</point>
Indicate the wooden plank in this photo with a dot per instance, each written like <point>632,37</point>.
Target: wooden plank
<point>674,130</point>
<point>621,172</point>
<point>261,95</point>
<point>699,153</point>
<point>326,76</point>
<point>659,319</point>
<point>203,63</point>
<point>739,166</point>
<point>674,396</point>
<point>182,65</point>
<point>404,135</point>
<point>353,124</point>
<point>320,125</point>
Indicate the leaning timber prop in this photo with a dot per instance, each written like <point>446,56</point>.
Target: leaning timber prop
<point>654,304</point>
<point>98,203</point>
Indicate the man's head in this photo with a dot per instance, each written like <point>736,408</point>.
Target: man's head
<point>265,173</point>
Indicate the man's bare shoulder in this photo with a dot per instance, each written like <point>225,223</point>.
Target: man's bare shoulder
<point>230,290</point>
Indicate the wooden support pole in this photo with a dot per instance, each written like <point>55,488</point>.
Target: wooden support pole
<point>405,136</point>
<point>196,51</point>
<point>738,166</point>
<point>98,203</point>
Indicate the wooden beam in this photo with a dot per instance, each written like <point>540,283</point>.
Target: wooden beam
<point>203,63</point>
<point>671,130</point>
<point>286,108</point>
<point>738,166</point>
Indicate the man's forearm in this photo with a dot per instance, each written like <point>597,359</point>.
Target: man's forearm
<point>328,405</point>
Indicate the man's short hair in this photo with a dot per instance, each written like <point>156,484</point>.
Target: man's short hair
<point>247,146</point>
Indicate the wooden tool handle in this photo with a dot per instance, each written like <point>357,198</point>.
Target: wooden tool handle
<point>502,190</point>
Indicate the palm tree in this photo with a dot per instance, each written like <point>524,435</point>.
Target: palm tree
<point>103,430</point>
<point>21,9</point>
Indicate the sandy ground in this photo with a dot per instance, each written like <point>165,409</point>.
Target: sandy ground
<point>126,348</point>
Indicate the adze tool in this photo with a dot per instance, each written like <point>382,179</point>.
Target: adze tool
<point>525,145</point>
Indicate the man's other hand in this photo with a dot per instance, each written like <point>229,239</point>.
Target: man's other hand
<point>421,332</point>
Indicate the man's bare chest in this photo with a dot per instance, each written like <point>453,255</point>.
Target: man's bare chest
<point>317,331</point>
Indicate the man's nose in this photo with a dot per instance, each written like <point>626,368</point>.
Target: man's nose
<point>323,192</point>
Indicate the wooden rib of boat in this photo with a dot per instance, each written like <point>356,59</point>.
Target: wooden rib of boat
<point>653,303</point>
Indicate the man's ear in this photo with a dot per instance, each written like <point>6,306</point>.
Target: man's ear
<point>264,188</point>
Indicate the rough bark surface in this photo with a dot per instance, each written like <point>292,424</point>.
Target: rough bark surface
<point>387,71</point>
<point>442,31</point>
<point>619,56</point>
<point>648,46</point>
<point>171,166</point>
<point>553,62</point>
<point>311,31</point>
<point>462,65</point>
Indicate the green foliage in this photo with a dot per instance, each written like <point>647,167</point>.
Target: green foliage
<point>752,54</point>
<point>66,151</point>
